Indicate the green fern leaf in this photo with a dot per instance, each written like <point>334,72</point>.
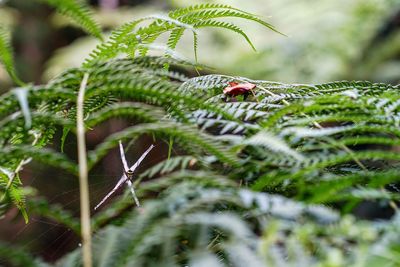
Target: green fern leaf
<point>19,257</point>
<point>213,14</point>
<point>188,137</point>
<point>79,12</point>
<point>195,8</point>
<point>174,37</point>
<point>54,212</point>
<point>6,56</point>
<point>224,25</point>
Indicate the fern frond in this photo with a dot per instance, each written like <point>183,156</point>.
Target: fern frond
<point>128,40</point>
<point>224,25</point>
<point>174,37</point>
<point>244,113</point>
<point>168,166</point>
<point>354,141</point>
<point>189,137</point>
<point>43,155</point>
<point>203,178</point>
<point>54,212</point>
<point>114,45</point>
<point>110,237</point>
<point>273,143</point>
<point>6,56</point>
<point>368,194</point>
<point>143,112</point>
<point>12,184</point>
<point>332,189</point>
<point>149,89</point>
<point>195,8</point>
<point>120,207</point>
<point>218,13</point>
<point>79,12</point>
<point>222,126</point>
<point>72,259</point>
<point>320,162</point>
<point>184,212</point>
<point>18,257</point>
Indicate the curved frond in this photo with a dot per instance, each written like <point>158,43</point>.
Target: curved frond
<point>7,57</point>
<point>131,38</point>
<point>189,137</point>
<point>224,25</point>
<point>79,12</point>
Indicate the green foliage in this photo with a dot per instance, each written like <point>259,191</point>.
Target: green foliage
<point>188,207</point>
<point>55,212</point>
<point>130,38</point>
<point>304,146</point>
<point>18,257</point>
<point>6,56</point>
<point>361,44</point>
<point>78,11</point>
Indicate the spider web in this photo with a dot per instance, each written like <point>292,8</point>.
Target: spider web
<point>47,238</point>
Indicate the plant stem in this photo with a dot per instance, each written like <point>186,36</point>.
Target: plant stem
<point>170,145</point>
<point>83,177</point>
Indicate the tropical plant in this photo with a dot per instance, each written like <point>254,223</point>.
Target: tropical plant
<point>265,177</point>
<point>316,49</point>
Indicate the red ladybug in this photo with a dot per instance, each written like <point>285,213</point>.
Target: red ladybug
<point>235,89</point>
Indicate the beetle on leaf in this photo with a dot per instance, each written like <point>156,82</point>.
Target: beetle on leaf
<point>235,89</point>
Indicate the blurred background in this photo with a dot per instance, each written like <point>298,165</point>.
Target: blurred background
<point>323,41</point>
